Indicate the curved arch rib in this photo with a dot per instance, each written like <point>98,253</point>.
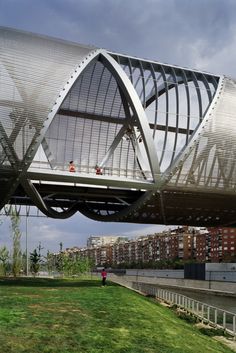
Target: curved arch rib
<point>138,111</point>
<point>32,192</point>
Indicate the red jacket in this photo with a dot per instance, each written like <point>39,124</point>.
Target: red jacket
<point>104,274</point>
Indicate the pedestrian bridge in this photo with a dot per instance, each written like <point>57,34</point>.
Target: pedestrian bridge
<point>163,136</point>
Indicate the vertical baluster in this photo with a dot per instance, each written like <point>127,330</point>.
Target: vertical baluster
<point>224,319</point>
<point>234,327</point>
<point>208,313</point>
<point>216,316</point>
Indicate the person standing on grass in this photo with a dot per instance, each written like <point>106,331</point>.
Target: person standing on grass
<point>104,277</point>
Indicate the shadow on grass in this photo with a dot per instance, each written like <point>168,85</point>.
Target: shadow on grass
<point>51,282</point>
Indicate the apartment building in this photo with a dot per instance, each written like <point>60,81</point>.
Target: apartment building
<point>94,241</point>
<point>185,243</point>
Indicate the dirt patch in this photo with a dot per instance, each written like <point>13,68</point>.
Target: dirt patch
<point>201,324</point>
<point>164,303</point>
<point>229,342</point>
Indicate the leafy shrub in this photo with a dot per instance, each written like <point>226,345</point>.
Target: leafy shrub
<point>211,331</point>
<point>187,317</point>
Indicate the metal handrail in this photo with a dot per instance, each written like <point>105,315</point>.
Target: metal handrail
<point>128,173</point>
<point>207,313</point>
<point>88,169</point>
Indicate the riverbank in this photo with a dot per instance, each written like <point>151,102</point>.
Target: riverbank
<point>222,299</point>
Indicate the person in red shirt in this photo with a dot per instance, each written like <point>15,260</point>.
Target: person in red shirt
<point>104,277</point>
<point>98,170</point>
<point>71,167</point>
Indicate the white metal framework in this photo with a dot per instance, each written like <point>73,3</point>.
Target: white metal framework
<point>162,136</point>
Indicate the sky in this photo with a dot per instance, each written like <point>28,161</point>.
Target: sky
<point>199,34</point>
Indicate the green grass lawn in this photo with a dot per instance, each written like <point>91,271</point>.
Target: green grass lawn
<point>66,316</point>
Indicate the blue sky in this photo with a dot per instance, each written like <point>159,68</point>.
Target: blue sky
<point>197,34</point>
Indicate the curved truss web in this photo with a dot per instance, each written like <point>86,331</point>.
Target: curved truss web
<point>88,122</point>
<point>95,105</point>
<point>175,101</point>
<point>155,131</point>
<point>32,71</point>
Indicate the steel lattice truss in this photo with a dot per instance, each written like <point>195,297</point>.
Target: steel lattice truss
<point>164,136</point>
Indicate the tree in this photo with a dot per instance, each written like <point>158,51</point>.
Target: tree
<point>50,262</point>
<point>35,259</point>
<point>16,236</point>
<point>4,257</point>
<point>72,264</point>
<point>84,265</point>
<point>59,262</point>
<point>24,262</point>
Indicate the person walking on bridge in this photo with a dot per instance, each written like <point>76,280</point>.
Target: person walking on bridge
<point>98,170</point>
<point>71,167</point>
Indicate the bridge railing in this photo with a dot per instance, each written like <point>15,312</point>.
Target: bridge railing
<point>88,169</point>
<point>134,174</point>
<point>206,313</point>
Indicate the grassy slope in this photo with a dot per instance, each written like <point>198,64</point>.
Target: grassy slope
<point>81,316</point>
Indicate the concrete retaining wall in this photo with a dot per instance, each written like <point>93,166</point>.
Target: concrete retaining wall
<point>156,273</point>
<point>222,276</point>
<point>224,287</point>
<point>214,272</point>
<point>223,266</point>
